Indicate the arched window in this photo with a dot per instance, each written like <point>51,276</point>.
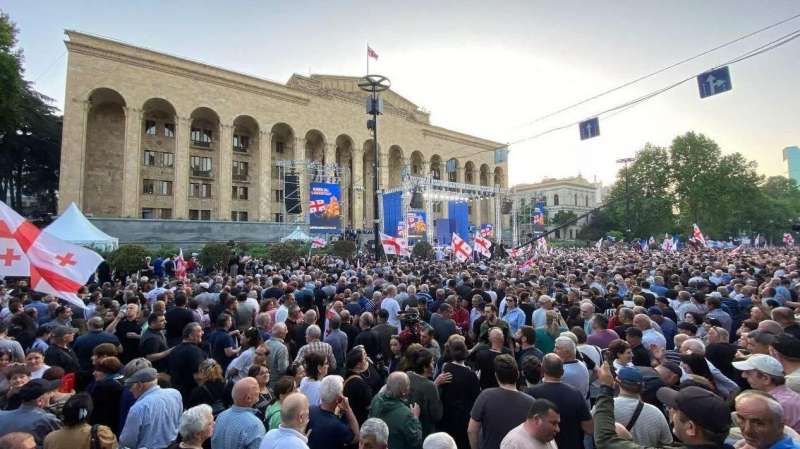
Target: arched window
<point>555,202</point>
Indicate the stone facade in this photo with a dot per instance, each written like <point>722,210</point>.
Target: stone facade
<point>568,194</point>
<point>149,135</point>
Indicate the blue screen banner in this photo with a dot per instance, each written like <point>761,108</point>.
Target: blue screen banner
<point>324,210</point>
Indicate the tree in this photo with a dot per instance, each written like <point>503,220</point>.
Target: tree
<point>693,165</point>
<point>563,216</point>
<point>422,250</point>
<point>344,249</point>
<point>30,132</point>
<point>215,256</point>
<point>127,258</point>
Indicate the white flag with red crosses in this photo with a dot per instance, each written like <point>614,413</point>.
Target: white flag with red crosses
<point>55,267</point>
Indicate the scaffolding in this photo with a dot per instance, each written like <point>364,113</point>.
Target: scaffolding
<point>307,172</point>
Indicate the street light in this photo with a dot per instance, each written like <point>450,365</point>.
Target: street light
<point>625,161</point>
<point>374,84</point>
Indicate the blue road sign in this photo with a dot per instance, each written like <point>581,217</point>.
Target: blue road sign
<point>589,128</point>
<point>714,82</point>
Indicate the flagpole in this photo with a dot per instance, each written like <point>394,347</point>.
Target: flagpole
<point>367,57</point>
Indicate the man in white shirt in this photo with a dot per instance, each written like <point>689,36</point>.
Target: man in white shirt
<point>391,305</point>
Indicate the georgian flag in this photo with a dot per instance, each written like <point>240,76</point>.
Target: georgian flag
<point>482,246</point>
<point>460,248</point>
<point>391,245</point>
<point>404,249</point>
<point>316,206</point>
<point>698,236</point>
<point>788,240</point>
<point>55,267</point>
<point>599,245</point>
<point>666,246</point>
<point>371,53</point>
<point>180,266</point>
<point>541,246</point>
<point>318,243</point>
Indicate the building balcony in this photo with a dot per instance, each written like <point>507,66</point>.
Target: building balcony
<point>241,149</point>
<point>205,145</point>
<point>241,177</point>
<point>202,173</point>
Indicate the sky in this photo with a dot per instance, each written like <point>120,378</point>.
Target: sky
<point>488,69</point>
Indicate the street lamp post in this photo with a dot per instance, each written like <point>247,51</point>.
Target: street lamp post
<point>374,84</point>
<point>625,161</point>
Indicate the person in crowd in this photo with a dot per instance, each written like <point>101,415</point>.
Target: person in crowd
<point>238,427</point>
<point>459,394</point>
<point>337,340</point>
<point>439,440</point>
<point>539,429</point>
<point>760,419</point>
<point>283,388</point>
<point>30,417</point>
<point>154,418</point>
<point>196,427</point>
<point>178,317</point>
<point>574,411</point>
<point>765,373</point>
<point>106,393</point>
<point>210,387</point>
<point>601,335</point>
<point>184,360</point>
<point>261,374</point>
<point>327,429</point>
<point>77,433</point>
<point>484,358</point>
<point>786,349</point>
<point>423,391</point>
<point>547,334</point>
<point>498,410</point>
<point>85,344</point>
<point>60,352</point>
<point>391,406</point>
<point>291,434</point>
<point>153,343</point>
<point>222,341</point>
<point>278,356</point>
<point>357,391</point>
<point>576,374</point>
<point>314,344</point>
<point>35,361</point>
<point>374,434</point>
<point>18,374</point>
<point>316,368</point>
<point>620,352</point>
<point>17,440</point>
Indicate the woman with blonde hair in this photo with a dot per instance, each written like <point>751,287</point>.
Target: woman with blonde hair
<point>210,387</point>
<point>546,336</point>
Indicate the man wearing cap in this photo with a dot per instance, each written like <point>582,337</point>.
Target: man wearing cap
<point>154,418</point>
<point>699,417</point>
<point>30,417</point>
<point>644,421</point>
<point>786,349</point>
<point>765,373</point>
<point>59,353</point>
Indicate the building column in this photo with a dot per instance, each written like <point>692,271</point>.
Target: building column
<point>73,151</point>
<point>383,170</point>
<point>264,189</point>
<point>180,190</point>
<point>492,218</point>
<point>225,176</point>
<point>329,154</point>
<point>131,163</point>
<point>357,183</point>
<point>460,170</point>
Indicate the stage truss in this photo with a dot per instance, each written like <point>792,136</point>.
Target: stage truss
<point>307,172</point>
<point>439,190</point>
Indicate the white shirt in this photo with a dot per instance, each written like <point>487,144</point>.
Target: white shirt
<point>393,307</point>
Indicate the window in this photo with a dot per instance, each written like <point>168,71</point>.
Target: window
<point>555,203</point>
<point>278,196</point>
<point>279,147</point>
<point>156,187</point>
<point>164,188</point>
<point>148,213</point>
<point>199,214</point>
<point>168,160</point>
<point>166,213</point>
<point>241,143</point>
<point>199,190</point>
<point>169,130</point>
<point>150,158</point>
<point>148,187</point>
<point>239,193</point>
<point>278,217</point>
<point>150,127</point>
<point>238,215</point>
<point>437,207</point>
<point>240,170</point>
<point>201,166</point>
<point>201,137</point>
<point>436,173</point>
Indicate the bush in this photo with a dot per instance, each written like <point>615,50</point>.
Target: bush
<point>283,253</point>
<point>127,258</point>
<point>215,256</point>
<point>256,251</point>
<point>344,249</point>
<point>422,250</point>
<point>165,251</point>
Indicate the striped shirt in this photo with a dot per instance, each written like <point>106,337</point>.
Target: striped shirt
<point>320,347</point>
<point>153,420</point>
<point>237,428</point>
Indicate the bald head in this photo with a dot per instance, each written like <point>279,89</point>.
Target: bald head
<point>245,392</point>
<point>397,384</point>
<point>770,327</point>
<point>294,411</point>
<point>783,315</point>
<point>642,322</point>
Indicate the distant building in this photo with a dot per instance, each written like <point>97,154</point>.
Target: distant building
<point>575,194</point>
<point>792,157</point>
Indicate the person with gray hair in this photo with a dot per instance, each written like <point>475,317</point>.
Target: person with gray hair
<point>726,387</point>
<point>374,434</point>
<point>439,440</point>
<point>337,339</point>
<point>765,373</point>
<point>760,418</point>
<point>85,344</point>
<point>405,430</point>
<point>327,429</point>
<point>278,356</point>
<point>576,374</point>
<point>197,425</point>
<point>313,344</point>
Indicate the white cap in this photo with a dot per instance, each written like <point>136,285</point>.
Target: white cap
<point>761,362</point>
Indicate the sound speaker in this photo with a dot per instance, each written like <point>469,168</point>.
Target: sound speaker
<point>291,196</point>
<point>505,208</point>
<point>416,200</point>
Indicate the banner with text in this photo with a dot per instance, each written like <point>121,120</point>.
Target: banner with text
<point>324,210</point>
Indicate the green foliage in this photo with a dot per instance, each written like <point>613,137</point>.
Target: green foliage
<point>344,249</point>
<point>422,250</point>
<point>563,216</point>
<point>214,256</point>
<point>257,251</point>
<point>283,253</point>
<point>166,251</point>
<point>127,258</point>
<point>30,132</point>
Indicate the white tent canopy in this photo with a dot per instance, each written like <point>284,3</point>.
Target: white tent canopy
<point>72,226</point>
<point>297,234</point>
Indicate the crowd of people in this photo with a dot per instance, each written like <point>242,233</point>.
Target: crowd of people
<point>585,348</point>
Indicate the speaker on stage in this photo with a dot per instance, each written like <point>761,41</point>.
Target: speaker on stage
<point>291,197</point>
<point>416,200</point>
<point>505,208</point>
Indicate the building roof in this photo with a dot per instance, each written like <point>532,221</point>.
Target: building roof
<point>548,183</point>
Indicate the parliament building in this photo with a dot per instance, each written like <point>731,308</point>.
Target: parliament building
<point>153,136</point>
